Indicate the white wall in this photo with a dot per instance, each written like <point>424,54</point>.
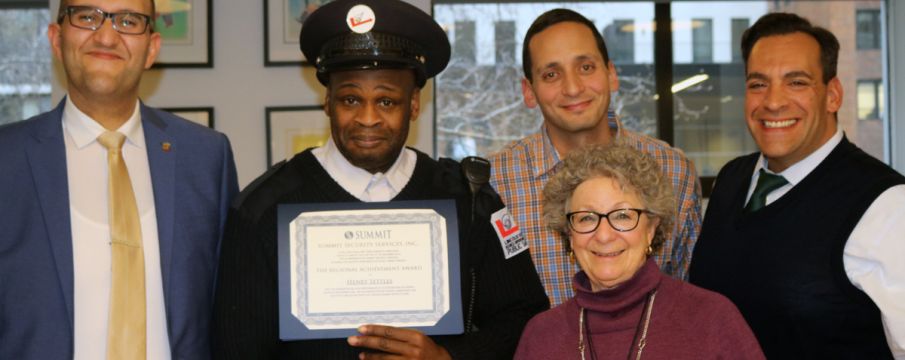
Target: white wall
<point>239,87</point>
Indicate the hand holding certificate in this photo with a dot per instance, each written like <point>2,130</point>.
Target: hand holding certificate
<point>343,265</point>
<point>408,343</point>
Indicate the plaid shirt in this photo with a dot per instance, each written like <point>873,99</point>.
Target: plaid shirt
<point>521,170</point>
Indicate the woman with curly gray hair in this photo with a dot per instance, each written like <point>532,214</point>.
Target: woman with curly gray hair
<point>615,208</point>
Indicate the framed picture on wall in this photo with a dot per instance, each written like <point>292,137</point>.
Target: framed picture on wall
<point>292,129</point>
<point>185,28</point>
<point>282,23</point>
<point>201,115</point>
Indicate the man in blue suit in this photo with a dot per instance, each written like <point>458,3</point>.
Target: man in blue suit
<point>57,273</point>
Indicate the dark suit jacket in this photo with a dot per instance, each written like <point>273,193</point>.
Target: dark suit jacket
<point>193,185</point>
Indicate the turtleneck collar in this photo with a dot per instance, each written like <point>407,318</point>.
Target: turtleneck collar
<point>621,299</point>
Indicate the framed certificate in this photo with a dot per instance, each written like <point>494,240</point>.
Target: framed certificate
<point>342,265</point>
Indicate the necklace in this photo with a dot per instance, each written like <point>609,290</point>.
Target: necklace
<point>645,319</point>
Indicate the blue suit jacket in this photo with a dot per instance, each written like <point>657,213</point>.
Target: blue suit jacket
<point>193,184</point>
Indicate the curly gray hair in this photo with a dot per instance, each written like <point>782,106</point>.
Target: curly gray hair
<point>630,168</point>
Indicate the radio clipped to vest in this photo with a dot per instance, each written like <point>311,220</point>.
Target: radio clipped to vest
<point>477,171</point>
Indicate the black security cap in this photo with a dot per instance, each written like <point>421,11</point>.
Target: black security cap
<point>374,34</point>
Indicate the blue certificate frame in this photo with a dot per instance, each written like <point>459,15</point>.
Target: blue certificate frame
<point>298,321</point>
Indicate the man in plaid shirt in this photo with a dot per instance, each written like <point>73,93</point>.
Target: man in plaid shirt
<point>569,75</point>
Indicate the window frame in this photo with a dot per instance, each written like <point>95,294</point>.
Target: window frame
<point>876,42</point>
<point>24,4</point>
<point>876,87</point>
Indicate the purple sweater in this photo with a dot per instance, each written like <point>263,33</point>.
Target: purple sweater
<point>686,322</point>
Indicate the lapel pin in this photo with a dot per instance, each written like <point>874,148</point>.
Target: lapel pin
<point>165,146</point>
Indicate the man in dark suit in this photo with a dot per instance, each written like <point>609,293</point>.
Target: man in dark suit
<point>805,237</point>
<point>108,248</point>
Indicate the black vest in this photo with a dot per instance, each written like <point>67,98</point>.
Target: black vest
<point>782,265</point>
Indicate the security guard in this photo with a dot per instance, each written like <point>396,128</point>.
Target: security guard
<point>374,56</point>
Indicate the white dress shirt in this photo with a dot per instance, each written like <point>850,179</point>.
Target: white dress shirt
<point>86,162</point>
<point>872,256</point>
<point>359,182</point>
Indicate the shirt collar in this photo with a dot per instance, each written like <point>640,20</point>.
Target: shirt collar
<point>545,155</point>
<point>798,171</point>
<point>615,126</point>
<point>355,180</point>
<point>549,158</point>
<point>84,130</point>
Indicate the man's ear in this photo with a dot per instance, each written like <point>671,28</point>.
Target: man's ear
<point>153,49</point>
<point>833,95</point>
<point>327,108</point>
<point>614,79</point>
<point>416,103</point>
<point>528,94</point>
<point>54,34</point>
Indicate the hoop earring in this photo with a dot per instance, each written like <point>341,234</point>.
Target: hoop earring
<point>650,250</point>
<point>572,255</point>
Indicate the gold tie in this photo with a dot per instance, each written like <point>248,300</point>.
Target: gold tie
<point>126,330</point>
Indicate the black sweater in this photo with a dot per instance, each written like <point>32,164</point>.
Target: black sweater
<point>505,293</point>
<point>782,265</point>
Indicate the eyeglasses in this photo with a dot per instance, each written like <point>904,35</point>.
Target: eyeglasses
<point>584,222</point>
<point>89,18</point>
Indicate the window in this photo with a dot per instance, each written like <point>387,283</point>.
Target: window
<point>480,107</point>
<point>504,32</point>
<point>24,62</point>
<point>709,123</point>
<point>463,44</point>
<point>702,40</point>
<point>870,99</point>
<point>738,28</point>
<point>709,91</point>
<point>868,28</point>
<point>620,41</point>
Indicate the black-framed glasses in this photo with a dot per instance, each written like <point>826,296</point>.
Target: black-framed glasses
<point>91,18</point>
<point>584,222</point>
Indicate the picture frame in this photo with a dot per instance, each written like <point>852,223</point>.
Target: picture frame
<point>292,129</point>
<point>282,23</point>
<point>186,32</point>
<point>200,115</point>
